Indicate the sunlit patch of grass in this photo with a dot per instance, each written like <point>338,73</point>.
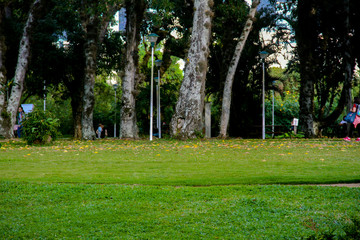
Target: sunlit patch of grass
<point>171,162</point>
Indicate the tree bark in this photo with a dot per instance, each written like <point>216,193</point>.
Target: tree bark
<point>8,116</point>
<point>348,67</point>
<point>135,13</point>
<point>306,39</point>
<point>226,102</point>
<point>348,73</point>
<point>3,79</point>
<point>88,101</point>
<point>76,105</point>
<point>187,120</point>
<point>94,26</point>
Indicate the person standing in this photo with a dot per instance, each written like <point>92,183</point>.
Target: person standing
<point>355,109</point>
<point>99,130</point>
<point>20,118</point>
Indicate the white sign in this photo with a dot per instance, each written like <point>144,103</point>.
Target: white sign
<point>27,107</point>
<point>295,122</point>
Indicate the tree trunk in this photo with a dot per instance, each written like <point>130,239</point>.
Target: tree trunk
<point>306,38</point>
<point>76,106</point>
<point>88,132</point>
<point>226,102</point>
<point>8,117</point>
<point>187,120</point>
<point>3,79</point>
<point>348,65</point>
<point>94,27</point>
<point>135,12</point>
<point>348,73</point>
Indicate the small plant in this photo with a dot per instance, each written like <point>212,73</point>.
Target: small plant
<point>40,127</point>
<point>199,134</point>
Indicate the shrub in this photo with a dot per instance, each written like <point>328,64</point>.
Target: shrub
<point>350,231</point>
<point>40,127</point>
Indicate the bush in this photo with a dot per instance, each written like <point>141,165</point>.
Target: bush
<point>350,231</point>
<point>40,127</point>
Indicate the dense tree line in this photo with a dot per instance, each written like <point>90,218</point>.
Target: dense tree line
<point>219,42</point>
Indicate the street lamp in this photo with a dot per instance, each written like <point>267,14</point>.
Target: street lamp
<point>158,64</point>
<point>263,55</point>
<point>152,39</point>
<point>115,86</point>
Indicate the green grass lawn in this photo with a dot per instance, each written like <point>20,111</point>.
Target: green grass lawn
<point>116,189</point>
<point>165,162</point>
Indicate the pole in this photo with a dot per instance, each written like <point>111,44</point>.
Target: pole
<point>157,102</point>
<point>151,93</point>
<point>273,116</point>
<point>44,95</point>
<point>115,117</point>
<point>159,109</point>
<point>263,102</point>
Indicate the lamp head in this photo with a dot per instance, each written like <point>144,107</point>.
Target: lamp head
<point>152,37</point>
<point>158,63</point>
<point>263,54</point>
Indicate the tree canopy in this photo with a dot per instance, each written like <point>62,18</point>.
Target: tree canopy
<point>73,50</point>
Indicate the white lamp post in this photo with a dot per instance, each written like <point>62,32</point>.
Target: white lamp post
<point>273,110</point>
<point>263,55</point>
<point>152,39</point>
<point>158,64</point>
<point>115,86</point>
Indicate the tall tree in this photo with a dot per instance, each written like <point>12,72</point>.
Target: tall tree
<point>228,24</point>
<point>135,12</point>
<point>226,101</point>
<point>60,62</point>
<point>9,104</point>
<point>325,52</point>
<point>187,119</point>
<point>95,18</point>
<point>306,39</point>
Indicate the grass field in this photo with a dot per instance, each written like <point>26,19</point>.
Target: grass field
<point>165,189</point>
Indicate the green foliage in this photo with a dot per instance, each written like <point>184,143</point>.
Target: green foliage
<point>5,114</point>
<point>288,135</point>
<point>284,87</point>
<point>40,127</point>
<point>349,230</point>
<point>104,110</point>
<point>285,108</point>
<point>55,104</point>
<point>169,91</point>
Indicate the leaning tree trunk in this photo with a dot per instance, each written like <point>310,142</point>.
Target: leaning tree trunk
<point>225,111</point>
<point>187,119</point>
<point>135,12</point>
<point>7,123</point>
